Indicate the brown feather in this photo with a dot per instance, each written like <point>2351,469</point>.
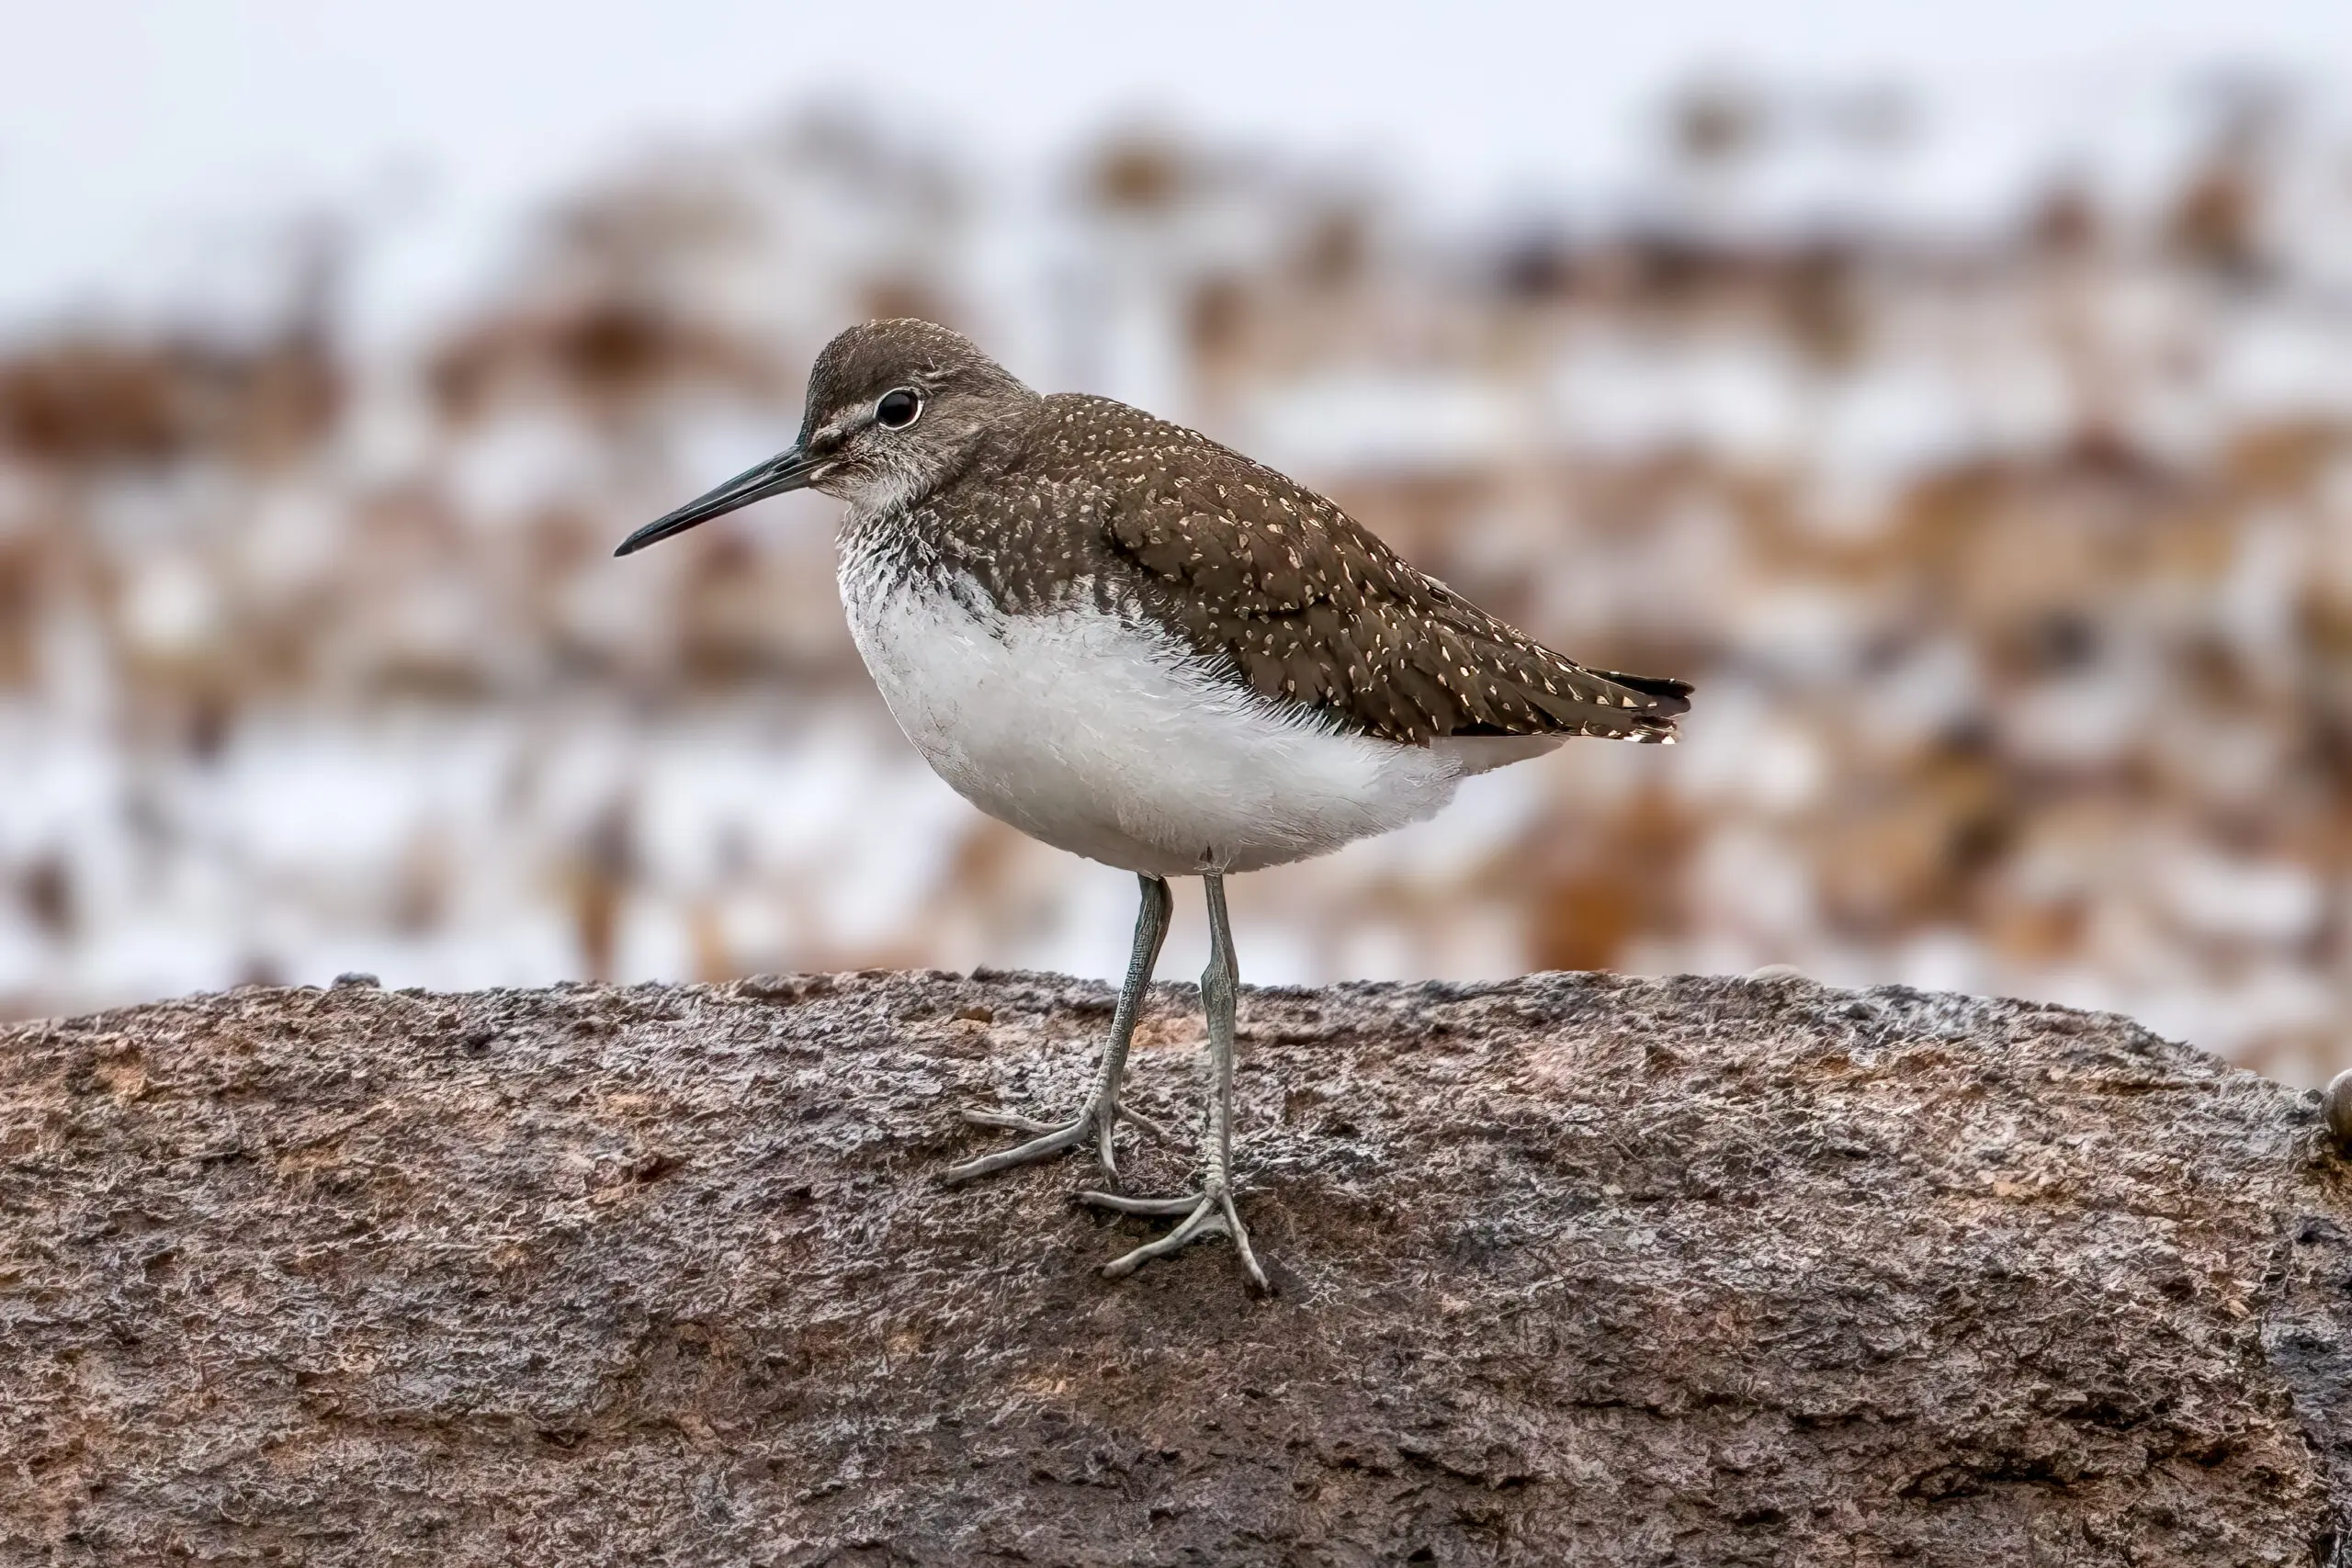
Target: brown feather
<point>1265,557</point>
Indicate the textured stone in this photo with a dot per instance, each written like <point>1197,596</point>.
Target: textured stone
<point>1573,1270</point>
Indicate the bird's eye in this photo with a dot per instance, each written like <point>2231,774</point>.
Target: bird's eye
<point>898,408</point>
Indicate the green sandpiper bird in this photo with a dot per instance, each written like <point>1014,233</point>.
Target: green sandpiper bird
<point>1141,647</point>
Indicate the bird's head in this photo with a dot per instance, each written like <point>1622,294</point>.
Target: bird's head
<point>895,409</point>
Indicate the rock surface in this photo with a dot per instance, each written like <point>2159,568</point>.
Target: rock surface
<point>1575,1270</point>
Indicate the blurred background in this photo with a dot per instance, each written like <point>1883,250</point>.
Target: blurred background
<point>1965,402</point>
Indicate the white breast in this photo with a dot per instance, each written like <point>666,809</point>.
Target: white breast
<point>1099,734</point>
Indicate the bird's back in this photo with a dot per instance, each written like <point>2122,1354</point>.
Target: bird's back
<point>1281,591</point>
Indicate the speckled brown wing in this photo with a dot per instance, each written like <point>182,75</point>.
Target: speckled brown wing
<point>1273,582</point>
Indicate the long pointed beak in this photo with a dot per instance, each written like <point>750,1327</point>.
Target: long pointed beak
<point>791,471</point>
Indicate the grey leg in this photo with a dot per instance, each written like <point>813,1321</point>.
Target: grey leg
<point>1209,1212</point>
<point>1102,1110</point>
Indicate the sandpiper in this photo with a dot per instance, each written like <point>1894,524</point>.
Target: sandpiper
<point>1141,647</point>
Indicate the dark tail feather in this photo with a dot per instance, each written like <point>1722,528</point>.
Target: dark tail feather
<point>1674,697</point>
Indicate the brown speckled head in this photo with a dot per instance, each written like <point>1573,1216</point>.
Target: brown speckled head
<point>897,407</point>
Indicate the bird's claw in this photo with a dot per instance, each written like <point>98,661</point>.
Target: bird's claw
<point>1093,1123</point>
<point>1206,1213</point>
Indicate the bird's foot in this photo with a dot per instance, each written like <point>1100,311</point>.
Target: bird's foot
<point>1092,1124</point>
<point>1207,1212</point>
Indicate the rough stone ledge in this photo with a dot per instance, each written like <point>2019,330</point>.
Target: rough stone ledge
<point>1573,1270</point>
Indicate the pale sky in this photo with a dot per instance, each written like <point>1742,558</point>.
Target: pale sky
<point>133,135</point>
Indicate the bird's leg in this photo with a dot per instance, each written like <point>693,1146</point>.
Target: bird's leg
<point>1101,1112</point>
<point>1209,1212</point>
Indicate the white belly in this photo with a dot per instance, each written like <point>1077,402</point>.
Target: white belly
<point>1095,734</point>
